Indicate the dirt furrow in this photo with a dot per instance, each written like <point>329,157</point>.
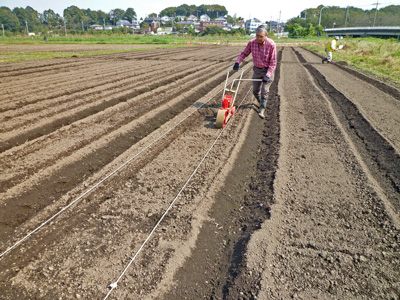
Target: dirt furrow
<point>85,92</point>
<point>78,136</point>
<point>138,196</point>
<point>70,82</point>
<point>45,69</point>
<point>217,268</point>
<point>70,171</point>
<point>70,112</point>
<point>379,155</point>
<point>329,236</point>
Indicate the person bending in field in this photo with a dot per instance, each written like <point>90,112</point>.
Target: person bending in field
<point>330,48</point>
<point>263,51</point>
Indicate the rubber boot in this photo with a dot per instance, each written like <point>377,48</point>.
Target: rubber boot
<point>258,98</point>
<point>324,60</point>
<point>263,104</point>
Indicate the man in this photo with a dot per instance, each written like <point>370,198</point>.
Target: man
<point>330,48</point>
<point>263,51</point>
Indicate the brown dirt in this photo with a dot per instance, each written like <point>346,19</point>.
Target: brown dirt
<point>304,204</point>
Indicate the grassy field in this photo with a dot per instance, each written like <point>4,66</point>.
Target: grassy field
<point>377,57</point>
<point>373,56</point>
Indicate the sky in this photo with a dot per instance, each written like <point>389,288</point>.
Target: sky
<point>262,9</point>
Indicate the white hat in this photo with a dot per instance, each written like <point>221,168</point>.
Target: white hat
<point>336,38</point>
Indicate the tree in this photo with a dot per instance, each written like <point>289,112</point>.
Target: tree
<point>116,14</point>
<point>169,11</point>
<point>9,20</point>
<point>213,11</point>
<point>213,30</point>
<point>102,17</point>
<point>29,15</point>
<point>50,18</point>
<point>73,15</point>
<point>130,15</point>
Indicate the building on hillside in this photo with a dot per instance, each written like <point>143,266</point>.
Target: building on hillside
<point>205,18</point>
<point>180,18</point>
<point>252,24</point>
<point>238,25</point>
<point>221,19</point>
<point>204,24</point>
<point>166,19</point>
<point>192,18</point>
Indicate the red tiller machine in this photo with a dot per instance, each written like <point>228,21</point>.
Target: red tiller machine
<point>228,108</point>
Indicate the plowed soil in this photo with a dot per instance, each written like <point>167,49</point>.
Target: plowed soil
<point>113,173</point>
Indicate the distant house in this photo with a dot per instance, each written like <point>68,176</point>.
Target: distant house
<point>153,22</point>
<point>95,27</point>
<point>123,23</point>
<point>276,26</point>
<point>252,24</point>
<point>180,18</point>
<point>221,19</point>
<point>135,25</point>
<point>165,19</point>
<point>165,31</point>
<point>203,25</point>
<point>146,30</point>
<point>205,18</point>
<point>239,25</point>
<point>192,18</point>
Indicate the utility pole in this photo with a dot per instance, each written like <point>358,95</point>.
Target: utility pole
<point>279,22</point>
<point>320,13</point>
<point>345,21</point>
<point>2,26</point>
<point>65,26</point>
<point>305,18</point>
<point>376,10</point>
<point>82,26</point>
<point>26,28</point>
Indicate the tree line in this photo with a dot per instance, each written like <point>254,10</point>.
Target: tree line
<point>20,20</point>
<point>313,21</point>
<point>213,11</point>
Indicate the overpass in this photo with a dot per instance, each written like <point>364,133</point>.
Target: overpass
<point>381,32</point>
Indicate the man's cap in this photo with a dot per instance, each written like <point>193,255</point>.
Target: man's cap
<point>336,38</point>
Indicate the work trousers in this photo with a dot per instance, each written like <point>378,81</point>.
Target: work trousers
<point>328,55</point>
<point>261,88</point>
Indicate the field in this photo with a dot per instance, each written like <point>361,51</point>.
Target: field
<point>113,173</point>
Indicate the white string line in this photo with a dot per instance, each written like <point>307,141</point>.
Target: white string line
<point>104,179</point>
<point>112,286</point>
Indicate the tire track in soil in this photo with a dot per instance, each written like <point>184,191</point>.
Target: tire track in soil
<point>17,210</point>
<point>217,267</point>
<point>377,153</point>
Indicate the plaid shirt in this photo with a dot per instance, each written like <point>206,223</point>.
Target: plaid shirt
<point>264,56</point>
